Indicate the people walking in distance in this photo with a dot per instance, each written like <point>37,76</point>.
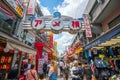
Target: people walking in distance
<point>45,69</point>
<point>52,75</point>
<point>31,74</point>
<point>61,64</point>
<point>66,71</point>
<point>75,71</point>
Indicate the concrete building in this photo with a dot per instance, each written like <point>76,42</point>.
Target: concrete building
<point>104,17</point>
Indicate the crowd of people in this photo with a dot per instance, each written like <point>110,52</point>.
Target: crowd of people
<point>54,69</point>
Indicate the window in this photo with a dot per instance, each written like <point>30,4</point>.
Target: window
<point>7,24</point>
<point>114,22</point>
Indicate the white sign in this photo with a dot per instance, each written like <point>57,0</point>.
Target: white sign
<point>40,65</point>
<point>56,24</point>
<point>31,7</point>
<point>38,23</point>
<point>87,26</point>
<point>75,24</point>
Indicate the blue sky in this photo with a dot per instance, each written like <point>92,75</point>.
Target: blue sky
<point>72,8</point>
<point>51,4</point>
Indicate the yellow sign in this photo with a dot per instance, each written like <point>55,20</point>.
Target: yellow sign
<point>19,10</point>
<point>78,50</point>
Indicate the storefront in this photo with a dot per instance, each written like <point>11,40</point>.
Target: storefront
<point>12,52</point>
<point>105,51</point>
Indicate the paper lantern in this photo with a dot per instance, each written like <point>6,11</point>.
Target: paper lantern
<point>6,50</point>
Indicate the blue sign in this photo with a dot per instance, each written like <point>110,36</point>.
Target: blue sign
<point>104,38</point>
<point>57,15</point>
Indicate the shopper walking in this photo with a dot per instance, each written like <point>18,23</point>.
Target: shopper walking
<point>52,75</point>
<point>45,69</point>
<point>61,65</point>
<point>87,73</point>
<point>66,71</point>
<point>75,71</point>
<point>31,74</point>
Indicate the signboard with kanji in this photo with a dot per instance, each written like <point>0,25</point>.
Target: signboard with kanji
<point>75,24</point>
<point>87,26</point>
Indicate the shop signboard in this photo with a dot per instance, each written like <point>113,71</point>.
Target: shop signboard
<point>38,23</point>
<point>56,24</point>
<point>16,6</point>
<point>40,64</point>
<point>75,24</point>
<point>31,7</point>
<point>87,25</point>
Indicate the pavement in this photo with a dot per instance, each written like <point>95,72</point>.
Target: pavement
<point>59,78</point>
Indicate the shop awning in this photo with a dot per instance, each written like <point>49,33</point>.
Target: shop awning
<point>16,44</point>
<point>20,47</point>
<point>107,36</point>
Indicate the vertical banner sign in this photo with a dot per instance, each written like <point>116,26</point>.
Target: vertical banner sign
<point>87,26</point>
<point>31,7</point>
<point>40,65</point>
<point>51,40</point>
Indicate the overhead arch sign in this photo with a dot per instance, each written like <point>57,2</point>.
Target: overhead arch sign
<point>56,24</point>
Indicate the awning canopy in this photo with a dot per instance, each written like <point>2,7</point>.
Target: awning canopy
<point>20,47</point>
<point>105,37</point>
<point>16,44</point>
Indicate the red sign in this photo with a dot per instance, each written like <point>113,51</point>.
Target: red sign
<point>75,24</point>
<point>38,23</point>
<point>87,26</point>
<point>51,40</point>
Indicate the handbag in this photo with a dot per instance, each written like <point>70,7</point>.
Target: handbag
<point>32,75</point>
<point>76,72</point>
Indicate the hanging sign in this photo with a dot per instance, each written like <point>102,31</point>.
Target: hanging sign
<point>56,24</point>
<point>75,24</point>
<point>40,65</point>
<point>31,7</point>
<point>87,25</point>
<point>38,23</point>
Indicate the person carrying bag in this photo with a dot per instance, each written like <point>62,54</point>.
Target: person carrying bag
<point>31,74</point>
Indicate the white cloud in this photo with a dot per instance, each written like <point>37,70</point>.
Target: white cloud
<point>63,41</point>
<point>73,8</point>
<point>44,10</point>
